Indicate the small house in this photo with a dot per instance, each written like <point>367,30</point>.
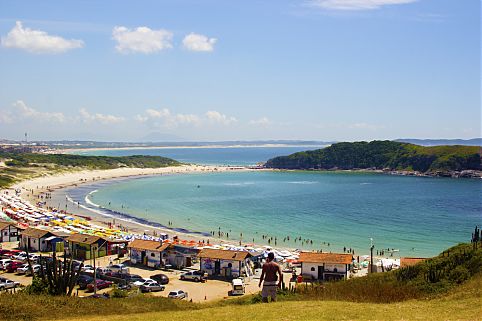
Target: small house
<point>224,263</point>
<point>181,256</point>
<point>35,239</point>
<point>9,232</point>
<point>83,246</point>
<point>325,266</point>
<point>148,253</point>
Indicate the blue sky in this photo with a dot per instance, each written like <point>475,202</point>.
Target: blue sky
<point>229,70</point>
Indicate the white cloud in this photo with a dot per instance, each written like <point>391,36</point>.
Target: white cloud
<point>37,41</point>
<point>164,118</point>
<point>197,42</point>
<point>141,39</point>
<point>263,122</point>
<point>356,4</point>
<point>101,118</point>
<point>21,110</point>
<point>217,117</point>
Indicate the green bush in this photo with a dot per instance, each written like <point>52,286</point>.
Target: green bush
<point>459,274</point>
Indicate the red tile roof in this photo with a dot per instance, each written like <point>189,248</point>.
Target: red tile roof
<point>224,254</point>
<point>148,245</point>
<point>334,258</point>
<point>408,261</point>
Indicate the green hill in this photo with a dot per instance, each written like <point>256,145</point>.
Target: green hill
<point>18,165</point>
<point>383,155</point>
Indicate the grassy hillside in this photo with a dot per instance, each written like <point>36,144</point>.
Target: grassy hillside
<point>17,166</point>
<point>383,154</point>
<point>407,294</point>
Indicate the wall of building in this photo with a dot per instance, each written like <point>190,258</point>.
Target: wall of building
<point>311,269</point>
<point>207,265</point>
<point>9,234</point>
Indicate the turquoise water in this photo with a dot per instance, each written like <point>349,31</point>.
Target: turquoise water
<point>208,156</point>
<point>419,216</point>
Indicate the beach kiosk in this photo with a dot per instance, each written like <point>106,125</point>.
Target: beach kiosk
<point>224,263</point>
<point>325,266</point>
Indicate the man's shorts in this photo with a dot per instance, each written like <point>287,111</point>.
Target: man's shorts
<point>269,289</point>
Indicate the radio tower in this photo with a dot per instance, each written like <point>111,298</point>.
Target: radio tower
<point>26,141</point>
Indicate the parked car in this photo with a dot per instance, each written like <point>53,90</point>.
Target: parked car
<point>34,270</point>
<point>121,268</point>
<point>101,284</point>
<point>23,269</point>
<point>152,286</point>
<point>130,278</point>
<point>87,268</point>
<point>13,266</point>
<point>142,282</point>
<point>238,287</point>
<point>4,262</point>
<point>8,284</point>
<point>20,256</point>
<point>105,271</point>
<point>177,294</point>
<point>195,276</point>
<point>160,278</point>
<point>84,280</point>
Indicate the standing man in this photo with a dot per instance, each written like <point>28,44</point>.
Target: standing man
<point>271,272</point>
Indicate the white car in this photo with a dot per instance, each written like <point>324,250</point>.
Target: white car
<point>8,284</point>
<point>87,268</point>
<point>151,286</point>
<point>177,294</point>
<point>21,256</point>
<point>4,262</point>
<point>23,269</point>
<point>35,269</point>
<point>144,281</point>
<point>121,268</point>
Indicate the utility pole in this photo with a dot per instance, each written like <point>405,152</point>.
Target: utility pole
<point>371,254</point>
<point>95,270</point>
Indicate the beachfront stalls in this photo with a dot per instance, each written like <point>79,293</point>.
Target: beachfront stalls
<point>35,239</point>
<point>9,232</point>
<point>225,263</point>
<point>325,266</point>
<point>148,253</point>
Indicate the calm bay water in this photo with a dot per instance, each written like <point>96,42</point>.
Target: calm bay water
<point>419,216</point>
<point>244,156</point>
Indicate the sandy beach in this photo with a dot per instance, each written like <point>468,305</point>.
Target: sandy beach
<point>55,184</point>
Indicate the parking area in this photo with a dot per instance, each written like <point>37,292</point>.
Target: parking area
<point>197,291</point>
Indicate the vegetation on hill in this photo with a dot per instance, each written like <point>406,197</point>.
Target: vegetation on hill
<point>383,155</point>
<point>20,165</point>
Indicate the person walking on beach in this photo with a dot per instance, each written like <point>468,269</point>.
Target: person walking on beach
<point>270,274</point>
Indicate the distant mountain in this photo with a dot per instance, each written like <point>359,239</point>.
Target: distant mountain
<point>383,155</point>
<point>436,142</point>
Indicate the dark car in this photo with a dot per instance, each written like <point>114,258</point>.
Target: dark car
<point>101,284</point>
<point>160,278</point>
<point>84,280</point>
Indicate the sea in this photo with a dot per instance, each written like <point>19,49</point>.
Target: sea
<point>329,211</point>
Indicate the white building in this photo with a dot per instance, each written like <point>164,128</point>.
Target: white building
<point>325,266</point>
<point>9,232</point>
<point>148,253</point>
<point>35,239</point>
<point>225,263</point>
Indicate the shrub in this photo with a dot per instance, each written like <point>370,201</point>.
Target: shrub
<point>459,274</point>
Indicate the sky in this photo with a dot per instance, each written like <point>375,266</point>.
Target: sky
<point>217,70</point>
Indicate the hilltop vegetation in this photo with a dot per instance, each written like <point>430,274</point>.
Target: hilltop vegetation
<point>17,165</point>
<point>383,155</point>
